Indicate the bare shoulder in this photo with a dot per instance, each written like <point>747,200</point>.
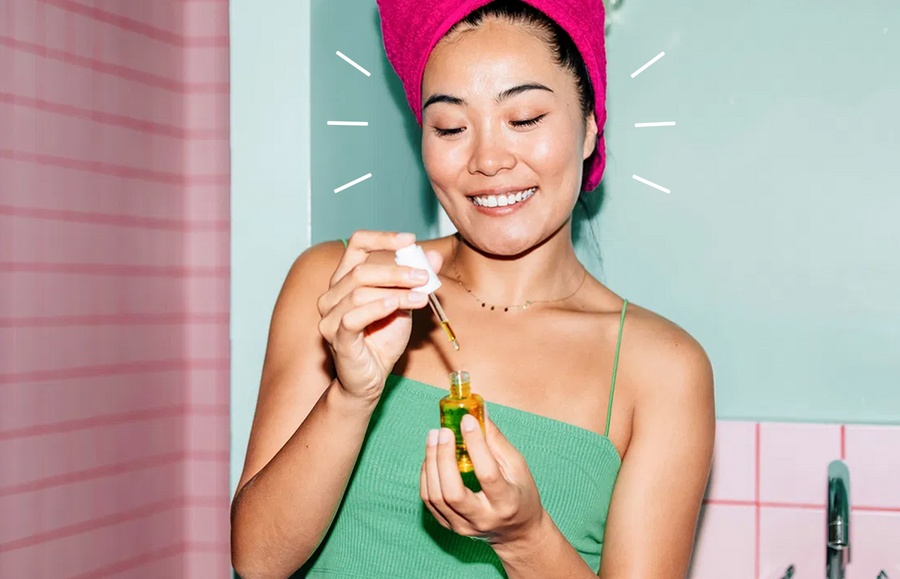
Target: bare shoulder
<point>295,348</point>
<point>668,364</point>
<point>313,268</point>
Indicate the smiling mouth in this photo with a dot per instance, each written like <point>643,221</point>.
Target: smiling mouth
<point>503,200</point>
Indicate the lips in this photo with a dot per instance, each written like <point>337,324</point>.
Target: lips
<point>503,200</point>
<point>496,204</point>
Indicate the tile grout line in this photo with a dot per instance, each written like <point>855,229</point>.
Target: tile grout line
<point>756,502</point>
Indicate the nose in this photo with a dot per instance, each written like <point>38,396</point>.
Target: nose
<point>490,153</point>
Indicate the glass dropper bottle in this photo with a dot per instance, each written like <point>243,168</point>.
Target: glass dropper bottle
<point>414,256</point>
<point>458,403</point>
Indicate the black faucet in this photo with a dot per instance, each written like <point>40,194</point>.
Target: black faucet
<point>838,512</point>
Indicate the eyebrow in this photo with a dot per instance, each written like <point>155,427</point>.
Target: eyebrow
<point>508,93</point>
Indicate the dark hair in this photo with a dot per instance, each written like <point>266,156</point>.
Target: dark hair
<point>565,52</point>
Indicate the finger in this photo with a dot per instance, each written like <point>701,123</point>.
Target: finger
<point>360,297</point>
<point>506,455</point>
<point>435,259</point>
<point>455,493</point>
<point>358,319</point>
<point>487,470</point>
<point>423,493</point>
<point>370,275</point>
<point>364,242</point>
<point>435,490</point>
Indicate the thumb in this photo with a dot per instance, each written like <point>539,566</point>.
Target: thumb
<point>436,260</point>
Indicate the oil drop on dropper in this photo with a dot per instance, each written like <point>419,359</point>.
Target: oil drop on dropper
<point>414,256</point>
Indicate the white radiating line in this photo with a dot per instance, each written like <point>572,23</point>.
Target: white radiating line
<point>352,183</point>
<point>349,123</point>
<point>641,69</point>
<point>665,124</point>
<point>663,189</point>
<point>364,71</point>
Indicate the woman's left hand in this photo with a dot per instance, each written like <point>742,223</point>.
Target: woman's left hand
<point>508,507</point>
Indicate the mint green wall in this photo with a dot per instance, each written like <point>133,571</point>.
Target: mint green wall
<point>396,196</point>
<point>778,245</point>
<point>270,184</point>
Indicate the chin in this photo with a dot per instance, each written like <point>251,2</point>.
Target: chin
<point>501,243</point>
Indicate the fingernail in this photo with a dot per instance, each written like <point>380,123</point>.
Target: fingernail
<point>432,437</point>
<point>468,423</point>
<point>446,436</point>
<point>419,275</point>
<point>406,237</point>
<point>418,297</point>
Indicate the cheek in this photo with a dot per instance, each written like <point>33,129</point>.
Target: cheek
<point>443,160</point>
<point>551,152</point>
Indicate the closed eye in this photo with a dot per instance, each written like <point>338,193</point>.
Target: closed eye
<point>518,124</point>
<point>529,122</point>
<point>447,132</point>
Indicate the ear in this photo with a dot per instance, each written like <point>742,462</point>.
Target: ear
<point>590,136</point>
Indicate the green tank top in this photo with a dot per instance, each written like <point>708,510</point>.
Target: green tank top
<point>383,530</point>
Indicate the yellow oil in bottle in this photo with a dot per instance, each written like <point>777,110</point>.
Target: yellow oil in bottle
<point>450,334</point>
<point>457,404</point>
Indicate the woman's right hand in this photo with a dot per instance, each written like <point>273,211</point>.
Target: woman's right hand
<point>366,312</point>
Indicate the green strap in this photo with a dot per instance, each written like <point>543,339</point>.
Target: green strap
<point>345,241</point>
<point>612,388</point>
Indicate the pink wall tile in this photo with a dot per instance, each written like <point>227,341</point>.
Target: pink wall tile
<point>164,15</point>
<point>202,479</point>
<point>209,524</point>
<point>114,175</point>
<point>793,464</point>
<point>93,550</point>
<point>725,544</point>
<point>873,455</point>
<point>790,536</point>
<point>121,45</point>
<point>208,564</point>
<point>874,544</point>
<point>34,516</point>
<point>169,563</point>
<point>207,18</point>
<point>207,433</point>
<point>734,464</point>
<point>69,456</point>
<point>83,401</point>
<point>794,461</point>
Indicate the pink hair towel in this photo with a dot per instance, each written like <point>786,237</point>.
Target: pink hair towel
<point>411,29</point>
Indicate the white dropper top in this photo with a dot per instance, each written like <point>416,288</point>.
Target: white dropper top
<point>414,256</point>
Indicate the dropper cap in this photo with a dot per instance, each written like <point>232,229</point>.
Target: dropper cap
<point>414,256</point>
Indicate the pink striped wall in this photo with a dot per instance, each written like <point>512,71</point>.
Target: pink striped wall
<point>114,289</point>
<point>765,505</point>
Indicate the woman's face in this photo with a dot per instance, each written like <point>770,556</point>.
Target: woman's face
<point>476,139</point>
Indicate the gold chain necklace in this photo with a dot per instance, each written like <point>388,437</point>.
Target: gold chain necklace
<point>517,306</point>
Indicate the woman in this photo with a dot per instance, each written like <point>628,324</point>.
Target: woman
<point>601,414</point>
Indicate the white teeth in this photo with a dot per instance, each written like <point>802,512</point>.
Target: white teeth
<point>503,200</point>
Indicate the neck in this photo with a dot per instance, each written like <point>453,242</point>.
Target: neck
<point>547,271</point>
